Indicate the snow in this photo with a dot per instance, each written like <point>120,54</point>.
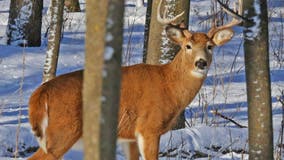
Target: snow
<point>8,138</point>
<point>109,51</point>
<point>224,89</point>
<point>109,37</point>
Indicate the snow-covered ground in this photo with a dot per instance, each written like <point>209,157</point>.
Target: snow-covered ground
<point>206,134</point>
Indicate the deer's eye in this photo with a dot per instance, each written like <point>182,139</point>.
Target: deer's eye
<point>188,46</point>
<point>209,47</point>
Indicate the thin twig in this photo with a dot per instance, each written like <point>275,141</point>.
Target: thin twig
<point>231,12</point>
<point>280,141</point>
<point>215,112</point>
<point>21,95</point>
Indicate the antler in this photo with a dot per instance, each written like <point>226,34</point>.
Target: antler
<point>236,20</point>
<point>163,20</point>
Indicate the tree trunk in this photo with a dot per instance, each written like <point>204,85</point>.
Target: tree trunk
<point>101,98</point>
<point>258,80</point>
<point>169,49</point>
<point>139,3</point>
<point>147,29</point>
<point>54,37</point>
<point>92,88</point>
<point>152,48</point>
<point>73,5</point>
<point>24,26</point>
<point>155,35</point>
<point>111,79</point>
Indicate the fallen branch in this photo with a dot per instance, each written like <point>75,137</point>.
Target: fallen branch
<point>215,112</point>
<point>213,151</point>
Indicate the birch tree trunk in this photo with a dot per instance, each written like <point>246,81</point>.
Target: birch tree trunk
<point>139,3</point>
<point>54,37</point>
<point>24,24</point>
<point>102,80</point>
<point>258,80</point>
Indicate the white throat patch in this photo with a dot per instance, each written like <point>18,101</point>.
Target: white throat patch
<point>198,73</point>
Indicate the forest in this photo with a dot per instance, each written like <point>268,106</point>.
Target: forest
<point>142,79</point>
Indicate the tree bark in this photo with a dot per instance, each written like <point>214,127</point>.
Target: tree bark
<point>102,80</point>
<point>54,37</point>
<point>92,88</point>
<point>147,29</point>
<point>24,26</point>
<point>139,3</point>
<point>258,80</point>
<point>169,49</point>
<point>111,79</point>
<point>73,5</point>
<point>154,50</point>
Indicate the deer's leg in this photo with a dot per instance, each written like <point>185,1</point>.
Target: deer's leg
<point>148,145</point>
<point>134,151</point>
<point>130,150</point>
<point>60,137</point>
<point>56,148</point>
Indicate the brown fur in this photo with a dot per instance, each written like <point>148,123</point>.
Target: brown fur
<point>63,96</point>
<point>152,96</point>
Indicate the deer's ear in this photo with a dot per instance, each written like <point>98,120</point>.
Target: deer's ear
<point>222,36</point>
<point>175,34</point>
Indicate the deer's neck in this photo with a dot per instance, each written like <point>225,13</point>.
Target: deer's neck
<point>182,83</point>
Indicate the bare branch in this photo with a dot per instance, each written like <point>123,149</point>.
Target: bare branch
<point>237,14</point>
<point>236,20</point>
<point>227,118</point>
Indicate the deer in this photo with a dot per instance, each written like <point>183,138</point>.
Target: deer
<point>151,96</point>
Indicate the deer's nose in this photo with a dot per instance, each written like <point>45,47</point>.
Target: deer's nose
<point>201,64</point>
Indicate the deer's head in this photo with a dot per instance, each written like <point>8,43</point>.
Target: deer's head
<point>197,47</point>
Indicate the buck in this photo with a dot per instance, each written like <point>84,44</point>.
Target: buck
<point>152,96</point>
